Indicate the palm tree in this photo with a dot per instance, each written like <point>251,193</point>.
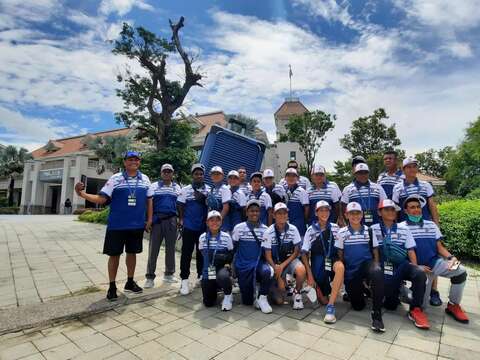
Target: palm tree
<point>11,165</point>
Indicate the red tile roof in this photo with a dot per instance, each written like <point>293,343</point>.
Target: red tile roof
<point>290,107</point>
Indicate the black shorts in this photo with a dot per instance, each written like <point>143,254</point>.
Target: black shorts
<point>116,240</point>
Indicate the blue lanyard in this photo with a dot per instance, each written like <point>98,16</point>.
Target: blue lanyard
<point>132,193</point>
<point>405,186</point>
<point>219,238</point>
<point>330,238</point>
<point>362,198</point>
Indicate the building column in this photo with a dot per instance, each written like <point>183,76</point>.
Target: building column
<point>65,191</point>
<point>37,205</point>
<point>26,196</point>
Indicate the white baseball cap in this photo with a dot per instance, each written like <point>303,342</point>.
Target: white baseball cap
<point>233,173</point>
<point>354,206</point>
<point>388,203</point>
<point>253,202</point>
<point>409,160</point>
<point>167,167</point>
<point>216,169</point>
<point>318,169</point>
<point>280,206</point>
<point>214,213</point>
<point>361,167</point>
<point>291,171</point>
<point>268,173</point>
<point>322,203</point>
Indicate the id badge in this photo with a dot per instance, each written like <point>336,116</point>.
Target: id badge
<point>132,200</point>
<point>328,264</point>
<point>368,217</point>
<point>388,268</point>
<point>212,273</point>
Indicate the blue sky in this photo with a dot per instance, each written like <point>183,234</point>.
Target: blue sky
<point>416,58</point>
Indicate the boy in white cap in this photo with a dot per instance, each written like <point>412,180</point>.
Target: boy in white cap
<point>217,250</point>
<point>325,190</point>
<point>219,196</point>
<point>261,195</point>
<point>281,243</point>
<point>276,191</point>
<point>302,180</point>
<point>165,193</point>
<point>368,194</point>
<point>399,262</point>
<point>297,201</point>
<point>324,268</point>
<point>358,250</point>
<point>237,204</point>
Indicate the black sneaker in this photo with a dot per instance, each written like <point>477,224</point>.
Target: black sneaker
<point>346,298</point>
<point>112,294</point>
<point>377,322</point>
<point>132,287</point>
<point>435,298</point>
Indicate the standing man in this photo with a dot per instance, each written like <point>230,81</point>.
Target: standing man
<point>297,201</point>
<point>368,194</point>
<point>257,193</point>
<point>325,190</point>
<point>244,185</point>
<point>302,180</point>
<point>192,214</point>
<point>392,174</point>
<point>165,193</point>
<point>412,186</point>
<point>219,197</point>
<point>276,191</point>
<point>130,198</point>
<point>357,160</point>
<point>237,203</point>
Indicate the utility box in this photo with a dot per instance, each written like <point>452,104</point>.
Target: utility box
<point>230,150</point>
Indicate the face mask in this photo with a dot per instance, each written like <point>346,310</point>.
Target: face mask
<point>414,218</point>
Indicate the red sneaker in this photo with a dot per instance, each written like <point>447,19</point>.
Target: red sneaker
<point>456,311</point>
<point>419,318</point>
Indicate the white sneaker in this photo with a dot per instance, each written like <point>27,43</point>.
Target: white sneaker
<point>227,302</point>
<point>148,284</point>
<point>262,304</point>
<point>184,290</point>
<point>297,302</point>
<point>235,288</point>
<point>169,279</point>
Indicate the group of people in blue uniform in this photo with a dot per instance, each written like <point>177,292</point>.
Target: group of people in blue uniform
<point>288,242</point>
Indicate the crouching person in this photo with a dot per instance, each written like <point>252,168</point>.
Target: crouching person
<point>281,243</point>
<point>434,258</point>
<point>217,249</point>
<point>399,261</point>
<point>355,249</point>
<point>325,271</point>
<point>250,267</point>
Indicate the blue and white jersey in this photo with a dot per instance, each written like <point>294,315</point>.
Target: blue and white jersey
<point>209,244</point>
<point>219,194</point>
<point>277,189</point>
<point>246,188</point>
<point>248,249</point>
<point>195,206</point>
<point>118,189</point>
<point>403,190</point>
<point>302,182</point>
<point>265,204</point>
<point>288,238</point>
<point>314,235</point>
<point>356,248</point>
<point>389,181</point>
<point>426,235</point>
<point>367,195</point>
<point>330,193</point>
<point>297,199</point>
<point>238,202</point>
<point>164,199</point>
<point>399,234</point>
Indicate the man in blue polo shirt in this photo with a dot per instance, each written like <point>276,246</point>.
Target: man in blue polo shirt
<point>434,258</point>
<point>257,193</point>
<point>368,194</point>
<point>192,214</point>
<point>359,252</point>
<point>303,181</point>
<point>325,190</point>
<point>392,174</point>
<point>412,186</point>
<point>237,204</point>
<point>165,193</point>
<point>297,201</point>
<point>219,197</point>
<point>131,209</point>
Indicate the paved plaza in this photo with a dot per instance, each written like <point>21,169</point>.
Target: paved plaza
<point>46,258</point>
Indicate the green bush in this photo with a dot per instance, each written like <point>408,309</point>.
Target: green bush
<point>460,225</point>
<point>474,194</point>
<point>3,202</point>
<point>97,217</point>
<point>8,210</point>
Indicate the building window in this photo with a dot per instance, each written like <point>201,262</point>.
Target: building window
<point>73,162</point>
<point>293,155</point>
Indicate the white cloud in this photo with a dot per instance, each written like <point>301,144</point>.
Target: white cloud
<point>330,10</point>
<point>458,49</point>
<point>122,7</point>
<point>28,10</point>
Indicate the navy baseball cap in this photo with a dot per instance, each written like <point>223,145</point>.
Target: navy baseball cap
<point>131,154</point>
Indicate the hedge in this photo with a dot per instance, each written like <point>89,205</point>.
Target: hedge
<point>9,210</point>
<point>98,217</point>
<point>460,225</point>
